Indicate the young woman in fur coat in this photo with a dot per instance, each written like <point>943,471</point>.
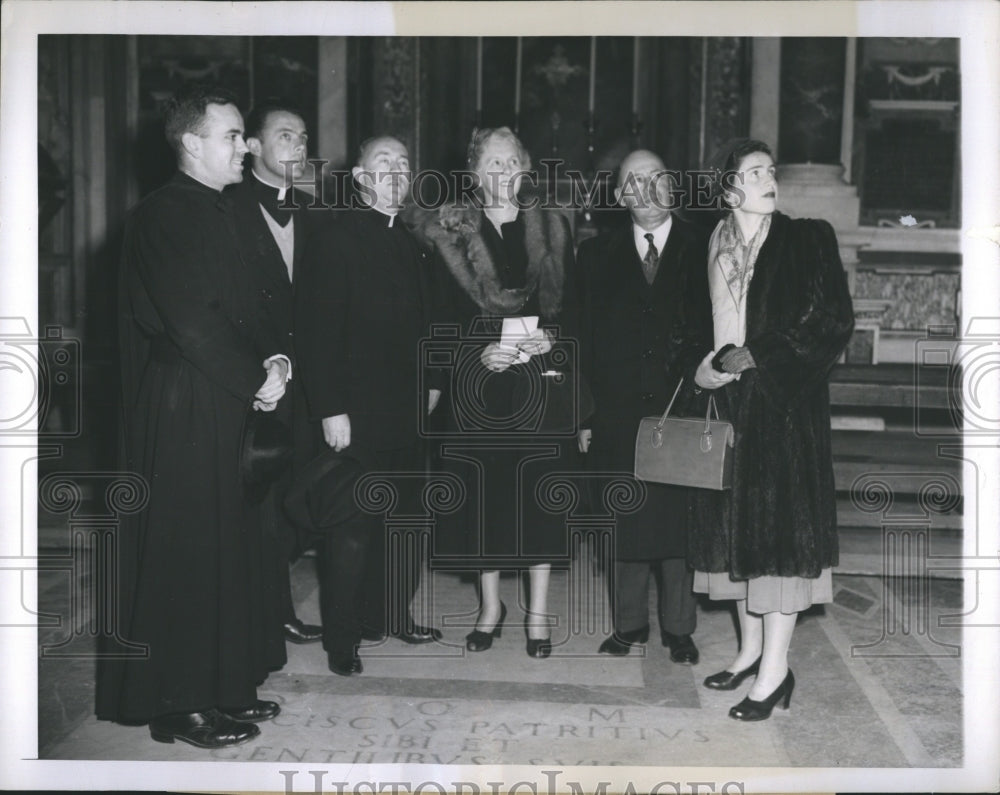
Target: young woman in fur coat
<point>782,315</point>
<point>510,417</point>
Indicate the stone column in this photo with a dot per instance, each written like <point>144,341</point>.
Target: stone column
<point>811,119</point>
<point>815,128</point>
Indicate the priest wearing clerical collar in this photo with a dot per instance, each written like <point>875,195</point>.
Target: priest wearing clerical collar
<point>361,309</point>
<point>273,224</point>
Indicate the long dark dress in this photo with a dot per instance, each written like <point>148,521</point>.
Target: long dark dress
<point>509,434</point>
<point>192,585</point>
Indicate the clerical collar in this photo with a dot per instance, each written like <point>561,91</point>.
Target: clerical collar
<point>271,198</point>
<point>386,220</point>
<point>282,189</point>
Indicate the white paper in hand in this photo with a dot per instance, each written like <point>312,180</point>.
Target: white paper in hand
<point>515,330</point>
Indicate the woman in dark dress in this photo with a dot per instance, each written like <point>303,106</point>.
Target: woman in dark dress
<point>782,315</point>
<point>510,417</point>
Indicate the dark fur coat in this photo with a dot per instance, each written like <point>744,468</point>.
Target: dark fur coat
<point>454,232</point>
<point>780,517</point>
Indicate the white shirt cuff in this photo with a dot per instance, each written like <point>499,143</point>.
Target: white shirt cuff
<point>288,361</point>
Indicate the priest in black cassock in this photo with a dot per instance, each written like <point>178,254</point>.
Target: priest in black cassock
<point>195,635</point>
<point>362,305</point>
<point>273,220</point>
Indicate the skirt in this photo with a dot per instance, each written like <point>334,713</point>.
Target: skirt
<point>768,594</point>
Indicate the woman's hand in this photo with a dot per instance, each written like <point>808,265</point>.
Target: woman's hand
<point>538,341</point>
<point>707,377</point>
<point>496,358</point>
<point>737,360</point>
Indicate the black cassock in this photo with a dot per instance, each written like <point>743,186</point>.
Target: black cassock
<point>192,584</point>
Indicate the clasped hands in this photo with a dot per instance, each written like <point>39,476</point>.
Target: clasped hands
<point>273,389</point>
<point>498,358</point>
<point>733,362</point>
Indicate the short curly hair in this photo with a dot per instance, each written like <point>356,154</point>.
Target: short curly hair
<point>185,112</point>
<point>481,137</point>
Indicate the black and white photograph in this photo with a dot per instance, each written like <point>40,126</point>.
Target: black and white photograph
<point>500,397</point>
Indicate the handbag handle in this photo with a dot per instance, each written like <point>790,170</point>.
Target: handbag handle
<point>708,411</point>
<point>706,436</point>
<point>670,405</point>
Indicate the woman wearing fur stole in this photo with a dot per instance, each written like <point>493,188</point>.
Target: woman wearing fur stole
<point>782,315</point>
<point>511,413</point>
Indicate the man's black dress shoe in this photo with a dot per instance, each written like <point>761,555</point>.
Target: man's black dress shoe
<point>682,648</point>
<point>208,729</point>
<point>727,680</point>
<point>417,634</point>
<point>618,645</point>
<point>372,634</point>
<point>297,632</point>
<point>255,713</point>
<point>344,663</point>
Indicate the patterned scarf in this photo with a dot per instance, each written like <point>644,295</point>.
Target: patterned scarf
<point>734,257</point>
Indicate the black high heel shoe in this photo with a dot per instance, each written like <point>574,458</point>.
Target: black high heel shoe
<point>748,709</point>
<point>727,680</point>
<point>538,648</point>
<point>477,640</point>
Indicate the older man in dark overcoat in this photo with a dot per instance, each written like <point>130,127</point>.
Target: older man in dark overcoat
<point>639,337</point>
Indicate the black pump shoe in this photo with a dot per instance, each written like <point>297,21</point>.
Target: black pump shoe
<point>748,709</point>
<point>477,640</point>
<point>539,648</point>
<point>727,680</point>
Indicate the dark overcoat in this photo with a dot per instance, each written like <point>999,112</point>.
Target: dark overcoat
<point>638,341</point>
<point>192,587</point>
<point>362,305</point>
<point>510,436</point>
<point>780,517</point>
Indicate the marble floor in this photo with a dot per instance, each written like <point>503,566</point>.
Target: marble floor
<point>875,687</point>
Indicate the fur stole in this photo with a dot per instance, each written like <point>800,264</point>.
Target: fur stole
<point>454,232</point>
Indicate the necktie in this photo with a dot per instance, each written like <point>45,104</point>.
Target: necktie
<point>652,259</point>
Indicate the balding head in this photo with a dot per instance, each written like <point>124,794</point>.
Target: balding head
<point>641,161</point>
<point>379,145</point>
<point>643,188</point>
<point>383,173</point>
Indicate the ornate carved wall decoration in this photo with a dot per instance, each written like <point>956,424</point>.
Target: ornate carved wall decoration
<point>394,85</point>
<point>727,91</point>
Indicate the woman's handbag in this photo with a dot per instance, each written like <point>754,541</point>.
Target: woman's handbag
<point>682,451</point>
